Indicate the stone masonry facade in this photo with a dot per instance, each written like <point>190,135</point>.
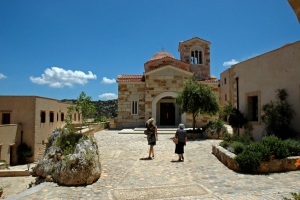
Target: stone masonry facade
<point>153,93</point>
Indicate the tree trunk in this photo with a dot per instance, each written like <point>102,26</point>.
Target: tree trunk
<point>194,122</point>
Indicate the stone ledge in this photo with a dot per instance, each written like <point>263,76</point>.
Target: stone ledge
<point>277,165</point>
<point>12,173</point>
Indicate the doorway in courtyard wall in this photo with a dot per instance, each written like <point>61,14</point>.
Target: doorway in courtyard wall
<point>167,114</point>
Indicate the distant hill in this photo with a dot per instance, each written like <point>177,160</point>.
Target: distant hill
<point>107,108</point>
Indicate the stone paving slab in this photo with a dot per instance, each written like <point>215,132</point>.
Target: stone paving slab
<point>125,173</point>
<point>159,192</point>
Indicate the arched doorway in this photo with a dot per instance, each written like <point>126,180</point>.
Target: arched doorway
<point>167,114</point>
<point>165,111</point>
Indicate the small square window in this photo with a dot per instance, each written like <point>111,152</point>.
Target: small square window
<point>51,116</point>
<point>43,116</point>
<point>62,117</point>
<point>5,118</point>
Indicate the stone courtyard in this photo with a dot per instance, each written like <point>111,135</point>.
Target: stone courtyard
<point>126,175</point>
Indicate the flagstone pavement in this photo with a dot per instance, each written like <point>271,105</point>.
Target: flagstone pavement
<point>126,175</point>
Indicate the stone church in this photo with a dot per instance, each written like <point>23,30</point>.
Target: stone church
<point>153,93</point>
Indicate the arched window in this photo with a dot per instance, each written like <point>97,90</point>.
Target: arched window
<point>196,55</point>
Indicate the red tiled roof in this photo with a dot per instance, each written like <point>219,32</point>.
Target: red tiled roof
<point>160,55</point>
<point>212,81</point>
<point>130,78</point>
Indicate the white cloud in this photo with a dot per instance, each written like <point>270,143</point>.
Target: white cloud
<point>58,77</point>
<point>108,81</point>
<point>108,96</point>
<point>2,76</point>
<point>231,62</point>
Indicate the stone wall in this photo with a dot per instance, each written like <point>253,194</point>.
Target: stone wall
<point>165,80</point>
<point>126,92</point>
<point>277,165</point>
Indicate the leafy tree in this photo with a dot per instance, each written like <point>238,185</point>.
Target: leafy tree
<point>227,110</point>
<point>277,117</point>
<point>68,119</point>
<point>237,119</point>
<point>84,106</point>
<point>197,98</point>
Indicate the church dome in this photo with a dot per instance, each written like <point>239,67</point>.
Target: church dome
<point>161,54</point>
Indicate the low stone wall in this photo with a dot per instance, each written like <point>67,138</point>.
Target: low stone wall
<point>92,129</point>
<point>12,173</point>
<point>195,136</point>
<point>277,165</point>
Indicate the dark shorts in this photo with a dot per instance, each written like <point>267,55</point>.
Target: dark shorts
<point>179,148</point>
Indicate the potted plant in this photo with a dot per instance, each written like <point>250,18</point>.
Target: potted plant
<point>1,191</point>
<point>23,152</point>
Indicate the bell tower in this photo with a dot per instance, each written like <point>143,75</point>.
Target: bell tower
<point>196,52</point>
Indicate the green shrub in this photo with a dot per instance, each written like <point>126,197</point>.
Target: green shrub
<point>277,147</point>
<point>246,139</point>
<point>296,196</point>
<point>24,152</point>
<point>224,144</point>
<point>100,119</point>
<point>238,147</point>
<point>277,117</point>
<point>264,151</point>
<point>5,163</point>
<point>216,124</point>
<point>293,147</point>
<point>67,142</point>
<point>248,161</point>
<point>237,119</point>
<point>228,137</point>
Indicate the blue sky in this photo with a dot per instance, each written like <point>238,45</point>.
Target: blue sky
<point>59,48</point>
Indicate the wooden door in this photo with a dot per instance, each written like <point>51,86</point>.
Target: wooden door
<point>167,114</point>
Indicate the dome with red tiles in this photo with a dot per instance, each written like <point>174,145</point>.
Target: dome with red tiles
<point>161,54</point>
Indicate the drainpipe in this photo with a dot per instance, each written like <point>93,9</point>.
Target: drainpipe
<point>237,99</point>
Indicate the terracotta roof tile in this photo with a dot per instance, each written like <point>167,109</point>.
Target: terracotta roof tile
<point>211,81</point>
<point>130,78</point>
<point>162,54</point>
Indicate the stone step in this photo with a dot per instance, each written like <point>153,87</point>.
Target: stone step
<point>164,130</point>
<point>40,153</point>
<point>131,131</point>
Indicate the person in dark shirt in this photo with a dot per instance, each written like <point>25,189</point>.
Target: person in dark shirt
<point>152,136</point>
<point>181,135</point>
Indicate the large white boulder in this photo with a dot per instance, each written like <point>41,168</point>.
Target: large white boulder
<point>80,167</point>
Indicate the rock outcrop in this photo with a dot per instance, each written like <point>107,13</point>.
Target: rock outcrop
<point>79,167</point>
